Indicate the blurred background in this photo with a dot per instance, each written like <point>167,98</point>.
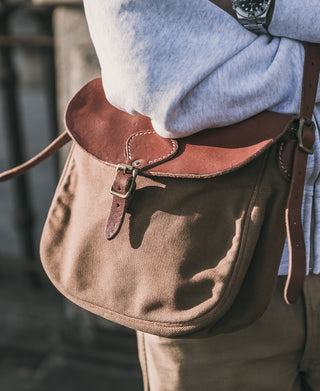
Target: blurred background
<point>46,343</point>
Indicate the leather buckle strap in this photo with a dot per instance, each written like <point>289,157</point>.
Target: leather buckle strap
<point>132,184</point>
<point>142,150</point>
<point>122,189</point>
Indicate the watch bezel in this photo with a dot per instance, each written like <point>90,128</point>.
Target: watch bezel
<point>245,14</point>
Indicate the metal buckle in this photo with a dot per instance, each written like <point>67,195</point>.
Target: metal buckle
<point>305,121</point>
<point>126,168</point>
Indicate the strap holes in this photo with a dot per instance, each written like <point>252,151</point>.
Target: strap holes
<point>295,223</point>
<point>118,205</point>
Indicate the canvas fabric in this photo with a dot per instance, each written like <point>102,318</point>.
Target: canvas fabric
<point>176,254</point>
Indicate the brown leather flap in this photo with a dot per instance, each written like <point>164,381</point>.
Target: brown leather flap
<point>98,127</point>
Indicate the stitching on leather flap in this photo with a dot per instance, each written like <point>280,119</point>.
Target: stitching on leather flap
<point>281,161</point>
<point>173,142</point>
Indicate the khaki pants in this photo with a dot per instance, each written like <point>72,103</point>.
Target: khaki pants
<point>279,352</point>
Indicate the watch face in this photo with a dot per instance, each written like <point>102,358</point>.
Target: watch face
<point>252,8</point>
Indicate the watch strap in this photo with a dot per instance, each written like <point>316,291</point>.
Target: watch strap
<point>255,25</point>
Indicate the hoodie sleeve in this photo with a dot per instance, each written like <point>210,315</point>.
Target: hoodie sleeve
<point>296,19</point>
<point>188,65</point>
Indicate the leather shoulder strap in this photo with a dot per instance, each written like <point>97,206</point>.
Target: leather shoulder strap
<point>306,138</point>
<point>50,150</point>
<point>310,80</point>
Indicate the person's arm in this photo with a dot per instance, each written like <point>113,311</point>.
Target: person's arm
<point>294,19</point>
<point>189,65</point>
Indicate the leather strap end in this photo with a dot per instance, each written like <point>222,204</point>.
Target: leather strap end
<point>122,182</point>
<point>115,220</point>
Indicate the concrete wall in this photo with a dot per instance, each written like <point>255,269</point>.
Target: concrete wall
<point>76,61</point>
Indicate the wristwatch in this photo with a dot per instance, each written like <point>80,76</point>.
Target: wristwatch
<point>255,15</point>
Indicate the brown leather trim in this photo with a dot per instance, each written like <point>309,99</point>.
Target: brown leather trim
<point>148,149</point>
<point>97,127</point>
<point>194,161</point>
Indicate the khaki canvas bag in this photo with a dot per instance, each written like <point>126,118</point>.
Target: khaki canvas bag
<point>177,237</point>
